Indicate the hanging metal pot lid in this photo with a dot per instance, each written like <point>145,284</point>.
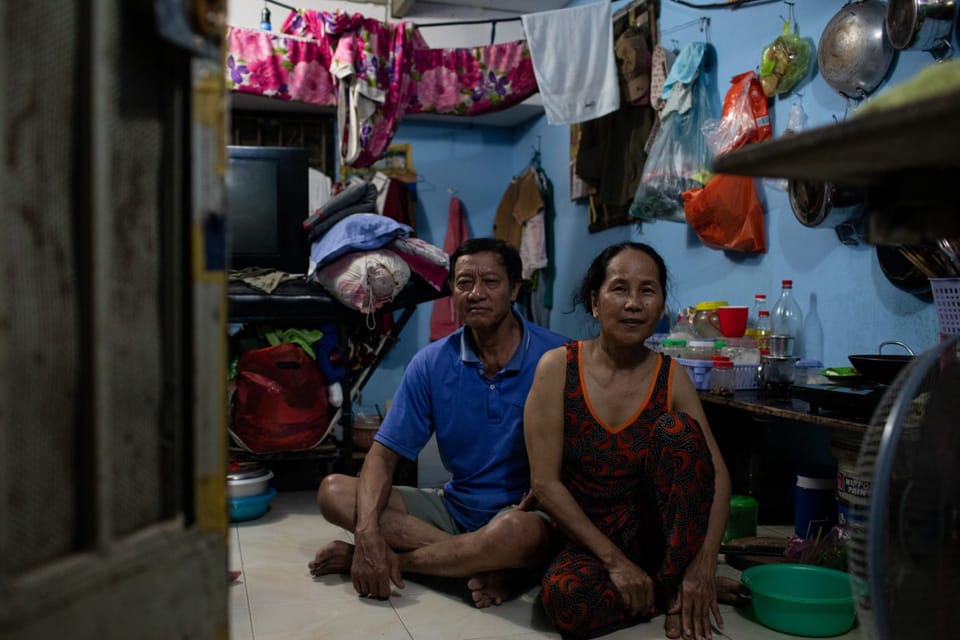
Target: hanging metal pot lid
<point>854,54</point>
<point>817,203</point>
<point>921,24</point>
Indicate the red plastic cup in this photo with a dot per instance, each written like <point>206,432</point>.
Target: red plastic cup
<point>733,321</point>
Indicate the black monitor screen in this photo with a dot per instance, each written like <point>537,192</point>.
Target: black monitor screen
<point>266,206</point>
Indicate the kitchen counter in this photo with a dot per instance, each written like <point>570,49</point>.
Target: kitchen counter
<point>758,403</point>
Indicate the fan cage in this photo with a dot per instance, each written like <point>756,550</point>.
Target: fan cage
<point>870,532</point>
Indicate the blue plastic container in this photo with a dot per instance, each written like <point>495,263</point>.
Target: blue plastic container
<point>815,502</point>
<point>250,507</point>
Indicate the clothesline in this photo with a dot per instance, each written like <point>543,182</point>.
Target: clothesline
<point>451,23</point>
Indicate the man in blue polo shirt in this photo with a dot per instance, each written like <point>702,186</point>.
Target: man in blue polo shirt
<point>469,389</point>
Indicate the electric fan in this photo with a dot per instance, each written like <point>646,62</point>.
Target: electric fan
<point>904,549</point>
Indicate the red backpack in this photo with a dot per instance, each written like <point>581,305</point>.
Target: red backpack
<point>281,400</point>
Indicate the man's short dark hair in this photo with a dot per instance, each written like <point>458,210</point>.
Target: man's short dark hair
<point>509,257</point>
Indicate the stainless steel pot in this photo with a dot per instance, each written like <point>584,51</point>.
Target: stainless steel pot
<point>824,204</point>
<point>921,24</point>
<point>854,53</point>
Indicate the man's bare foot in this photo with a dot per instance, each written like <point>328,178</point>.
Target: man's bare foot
<point>490,588</point>
<point>335,557</point>
<point>730,591</point>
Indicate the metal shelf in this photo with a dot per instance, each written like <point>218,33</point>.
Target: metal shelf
<point>518,114</point>
<point>919,139</point>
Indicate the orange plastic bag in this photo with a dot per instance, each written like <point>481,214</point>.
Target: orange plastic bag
<point>726,214</point>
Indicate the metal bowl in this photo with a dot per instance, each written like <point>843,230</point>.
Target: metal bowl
<point>854,53</point>
<point>249,481</point>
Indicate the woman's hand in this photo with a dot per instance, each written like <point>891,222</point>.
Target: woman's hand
<point>698,599</point>
<point>375,564</point>
<point>635,587</point>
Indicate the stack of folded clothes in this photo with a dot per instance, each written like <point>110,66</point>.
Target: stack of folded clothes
<point>357,198</point>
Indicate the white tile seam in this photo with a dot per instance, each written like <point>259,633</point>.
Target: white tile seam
<point>243,575</point>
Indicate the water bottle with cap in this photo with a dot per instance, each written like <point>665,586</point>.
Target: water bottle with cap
<point>763,330</point>
<point>787,318</point>
<point>759,304</point>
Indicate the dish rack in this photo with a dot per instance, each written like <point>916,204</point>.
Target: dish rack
<point>699,371</point>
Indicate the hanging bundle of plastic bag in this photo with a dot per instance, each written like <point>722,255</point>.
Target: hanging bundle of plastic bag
<point>679,159</point>
<point>785,62</point>
<point>726,213</point>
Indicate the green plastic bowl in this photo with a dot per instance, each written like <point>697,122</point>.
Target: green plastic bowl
<point>801,599</point>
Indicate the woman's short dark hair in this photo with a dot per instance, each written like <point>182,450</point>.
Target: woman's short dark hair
<point>509,257</point>
<point>597,272</point>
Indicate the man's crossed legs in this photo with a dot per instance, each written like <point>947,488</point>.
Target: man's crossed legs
<point>490,557</point>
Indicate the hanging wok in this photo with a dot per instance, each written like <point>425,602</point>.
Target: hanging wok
<point>854,53</point>
<point>881,368</point>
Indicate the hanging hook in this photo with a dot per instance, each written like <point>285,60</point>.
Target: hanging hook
<point>535,160</point>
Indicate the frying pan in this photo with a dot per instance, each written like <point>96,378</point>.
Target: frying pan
<point>881,368</point>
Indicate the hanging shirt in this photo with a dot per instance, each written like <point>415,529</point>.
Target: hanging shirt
<point>444,318</point>
<point>520,202</point>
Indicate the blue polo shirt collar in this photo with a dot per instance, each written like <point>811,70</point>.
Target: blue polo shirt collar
<point>469,355</point>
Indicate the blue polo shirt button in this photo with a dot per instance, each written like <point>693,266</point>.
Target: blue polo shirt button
<point>493,387</point>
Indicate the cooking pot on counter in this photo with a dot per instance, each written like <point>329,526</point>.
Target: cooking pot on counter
<point>921,24</point>
<point>854,53</point>
<point>881,368</point>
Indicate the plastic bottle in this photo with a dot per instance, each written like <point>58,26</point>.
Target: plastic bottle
<point>759,304</point>
<point>813,332</point>
<point>763,330</point>
<point>265,19</point>
<point>787,318</point>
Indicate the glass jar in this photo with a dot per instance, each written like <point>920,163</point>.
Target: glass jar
<point>723,379</point>
<point>706,322</point>
<point>700,350</point>
<point>674,348</point>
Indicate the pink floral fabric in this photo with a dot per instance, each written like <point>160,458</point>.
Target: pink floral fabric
<point>279,66</point>
<point>472,80</point>
<point>391,63</point>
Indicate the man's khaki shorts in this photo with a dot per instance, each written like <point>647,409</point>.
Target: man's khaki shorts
<point>430,506</point>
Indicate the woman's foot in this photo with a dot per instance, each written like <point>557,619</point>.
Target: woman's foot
<point>491,588</point>
<point>672,623</point>
<point>733,592</point>
<point>335,557</point>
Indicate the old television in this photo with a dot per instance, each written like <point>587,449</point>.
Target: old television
<point>267,202</point>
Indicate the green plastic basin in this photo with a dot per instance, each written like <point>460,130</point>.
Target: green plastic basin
<point>801,599</point>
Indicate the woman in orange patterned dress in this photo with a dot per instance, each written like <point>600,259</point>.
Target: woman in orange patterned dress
<point>623,460</point>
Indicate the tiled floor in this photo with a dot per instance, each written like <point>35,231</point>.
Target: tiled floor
<point>277,599</point>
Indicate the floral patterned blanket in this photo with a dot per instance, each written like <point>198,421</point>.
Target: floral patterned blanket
<point>316,56</point>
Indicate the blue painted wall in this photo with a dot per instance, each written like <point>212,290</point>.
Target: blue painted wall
<point>857,306</point>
